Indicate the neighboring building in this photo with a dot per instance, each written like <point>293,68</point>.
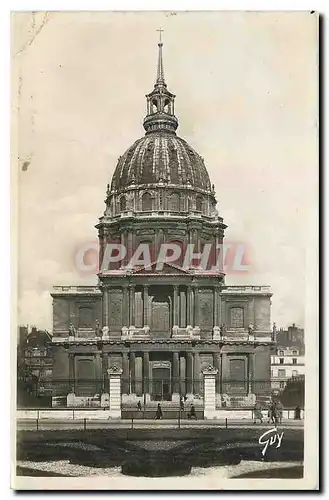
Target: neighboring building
<point>161,325</point>
<point>38,362</point>
<point>34,361</point>
<point>293,336</point>
<point>289,360</point>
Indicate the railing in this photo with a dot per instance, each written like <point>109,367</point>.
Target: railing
<point>246,289</point>
<point>86,392</point>
<point>40,420</point>
<point>76,289</point>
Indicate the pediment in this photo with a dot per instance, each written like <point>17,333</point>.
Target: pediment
<point>166,269</point>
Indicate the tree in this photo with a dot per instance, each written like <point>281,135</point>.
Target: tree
<point>294,392</point>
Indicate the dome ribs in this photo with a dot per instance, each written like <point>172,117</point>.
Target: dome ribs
<point>131,171</point>
<point>146,172</point>
<point>158,158</point>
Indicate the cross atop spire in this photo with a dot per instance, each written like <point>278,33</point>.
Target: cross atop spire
<point>160,30</point>
<point>160,73</point>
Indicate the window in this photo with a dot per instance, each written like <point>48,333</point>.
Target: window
<point>294,353</point>
<point>281,353</point>
<point>281,385</point>
<point>294,361</point>
<point>294,373</point>
<point>146,202</point>
<point>237,317</point>
<point>123,204</point>
<point>281,361</point>
<point>199,204</point>
<point>174,202</point>
<point>281,373</point>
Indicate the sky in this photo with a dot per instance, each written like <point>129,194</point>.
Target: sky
<point>246,100</point>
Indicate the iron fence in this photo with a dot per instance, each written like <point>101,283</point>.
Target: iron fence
<point>36,393</point>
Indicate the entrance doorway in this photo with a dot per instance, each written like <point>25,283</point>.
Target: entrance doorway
<point>161,384</point>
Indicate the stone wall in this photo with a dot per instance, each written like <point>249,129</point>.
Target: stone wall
<point>80,311</point>
<point>60,373</point>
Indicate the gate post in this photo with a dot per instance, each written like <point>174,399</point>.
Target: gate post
<point>114,373</point>
<point>209,396</point>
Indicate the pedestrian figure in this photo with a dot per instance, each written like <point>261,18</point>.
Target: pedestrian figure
<point>275,413</point>
<point>297,413</point>
<point>181,404</point>
<point>158,414</point>
<point>192,413</point>
<point>270,414</point>
<point>258,413</point>
<point>279,411</point>
<point>139,406</point>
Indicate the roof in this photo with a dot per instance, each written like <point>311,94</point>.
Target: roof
<point>158,158</point>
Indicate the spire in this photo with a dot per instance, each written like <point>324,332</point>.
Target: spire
<point>160,73</point>
<point>160,102</point>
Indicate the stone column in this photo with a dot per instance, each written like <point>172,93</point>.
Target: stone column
<point>130,246</point>
<point>125,307</point>
<point>98,372</point>
<point>250,370</point>
<point>217,366</point>
<point>132,361</point>
<point>105,307</point>
<point>105,365</point>
<point>71,374</point>
<point>124,244</point>
<point>219,307</point>
<point>175,377</point>
<point>209,375</point>
<point>132,306</point>
<point>175,307</point>
<point>182,309</point>
<point>145,305</point>
<point>114,373</point>
<point>188,306</point>
<point>189,373</point>
<point>196,374</point>
<point>146,376</point>
<point>105,396</point>
<point>196,306</point>
<point>125,374</point>
<point>215,290</point>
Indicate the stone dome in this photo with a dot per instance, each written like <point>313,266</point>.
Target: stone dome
<point>160,157</point>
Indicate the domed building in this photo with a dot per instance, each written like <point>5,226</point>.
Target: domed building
<point>161,312</point>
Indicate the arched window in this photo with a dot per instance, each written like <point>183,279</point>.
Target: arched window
<point>166,108</point>
<point>174,202</point>
<point>154,105</point>
<point>146,202</point>
<point>123,204</point>
<point>237,317</point>
<point>199,204</point>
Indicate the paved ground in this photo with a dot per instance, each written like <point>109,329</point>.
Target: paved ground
<point>45,424</point>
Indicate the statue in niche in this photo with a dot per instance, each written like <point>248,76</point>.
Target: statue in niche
<point>72,330</point>
<point>97,329</point>
<point>105,331</point>
<point>251,330</point>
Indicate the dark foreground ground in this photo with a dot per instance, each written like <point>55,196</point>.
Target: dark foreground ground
<point>159,452</point>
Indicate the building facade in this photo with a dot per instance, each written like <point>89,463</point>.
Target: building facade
<point>161,314</point>
<point>288,362</point>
